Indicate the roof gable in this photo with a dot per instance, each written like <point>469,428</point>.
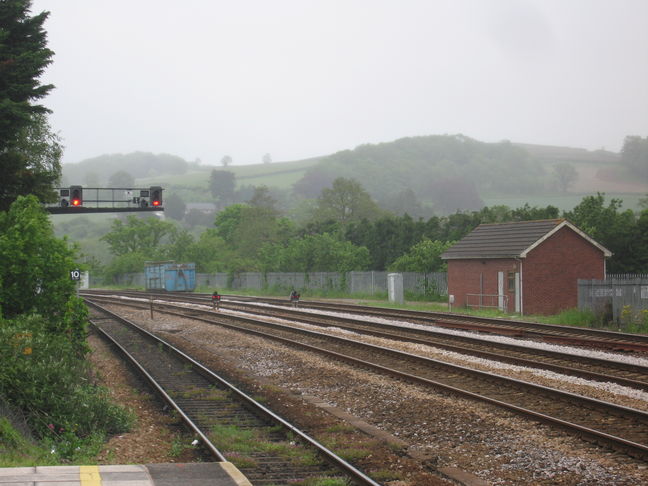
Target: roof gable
<point>511,240</point>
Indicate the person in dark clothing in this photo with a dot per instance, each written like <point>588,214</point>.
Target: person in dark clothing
<point>294,297</point>
<point>216,298</point>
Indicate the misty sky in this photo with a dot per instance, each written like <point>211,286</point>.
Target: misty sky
<point>301,78</point>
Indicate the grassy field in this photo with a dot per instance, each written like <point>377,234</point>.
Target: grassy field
<point>606,177</point>
<point>281,175</point>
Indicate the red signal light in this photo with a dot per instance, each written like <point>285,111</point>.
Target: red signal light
<point>76,196</point>
<point>156,195</point>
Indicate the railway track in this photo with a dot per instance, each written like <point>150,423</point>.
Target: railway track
<point>550,333</point>
<point>618,427</point>
<point>590,368</point>
<point>213,409</point>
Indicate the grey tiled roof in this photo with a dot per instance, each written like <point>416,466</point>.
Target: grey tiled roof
<point>502,240</point>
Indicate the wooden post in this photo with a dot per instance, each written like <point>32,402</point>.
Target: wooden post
<point>151,302</point>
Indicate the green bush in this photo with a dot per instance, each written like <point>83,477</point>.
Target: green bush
<point>10,438</point>
<point>35,264</point>
<point>44,374</point>
<point>17,450</point>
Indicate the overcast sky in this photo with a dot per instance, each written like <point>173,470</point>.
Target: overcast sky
<point>301,78</point>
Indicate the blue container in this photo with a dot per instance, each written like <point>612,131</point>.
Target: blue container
<point>170,276</point>
<point>180,277</point>
<point>154,274</point>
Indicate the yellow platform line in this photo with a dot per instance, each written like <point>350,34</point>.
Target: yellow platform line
<point>235,474</point>
<point>89,476</point>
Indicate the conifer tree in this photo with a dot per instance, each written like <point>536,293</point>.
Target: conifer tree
<point>29,152</point>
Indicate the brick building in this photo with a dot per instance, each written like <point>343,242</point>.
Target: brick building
<point>528,267</point>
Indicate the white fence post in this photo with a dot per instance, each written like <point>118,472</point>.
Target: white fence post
<point>395,287</point>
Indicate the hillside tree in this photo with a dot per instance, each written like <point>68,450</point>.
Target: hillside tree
<point>529,213</point>
<point>262,198</point>
<point>640,242</point>
<point>227,221</point>
<point>610,226</point>
<point>313,182</point>
<point>175,207</point>
<point>387,238</point>
<point>346,201</point>
<point>260,226</point>
<point>180,247</point>
<point>136,235</point>
<point>643,202</point>
<point>450,194</point>
<point>221,185</point>
<point>564,176</point>
<point>403,202</point>
<point>424,257</point>
<point>316,253</point>
<point>226,160</point>
<point>195,217</point>
<point>634,155</point>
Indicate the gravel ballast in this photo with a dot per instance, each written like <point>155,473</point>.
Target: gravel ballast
<point>440,430</point>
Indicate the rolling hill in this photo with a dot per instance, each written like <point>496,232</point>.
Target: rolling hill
<point>447,172</point>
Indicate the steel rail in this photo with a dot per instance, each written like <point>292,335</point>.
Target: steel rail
<point>158,388</point>
<point>631,447</point>
<point>627,341</point>
<point>548,332</point>
<point>436,338</point>
<point>328,454</point>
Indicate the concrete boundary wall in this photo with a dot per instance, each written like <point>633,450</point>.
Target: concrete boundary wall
<point>353,282</point>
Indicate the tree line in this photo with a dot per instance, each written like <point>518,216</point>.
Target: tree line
<point>344,230</point>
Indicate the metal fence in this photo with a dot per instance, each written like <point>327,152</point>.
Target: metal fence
<point>625,276</point>
<point>353,282</point>
<point>622,300</point>
<point>487,301</point>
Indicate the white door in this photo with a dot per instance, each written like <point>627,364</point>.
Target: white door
<point>500,291</point>
<point>517,292</point>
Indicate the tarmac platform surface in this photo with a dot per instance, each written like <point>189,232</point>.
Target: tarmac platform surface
<point>191,474</point>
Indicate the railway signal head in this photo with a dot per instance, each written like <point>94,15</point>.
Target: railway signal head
<point>64,198</point>
<point>144,198</point>
<point>76,195</point>
<point>156,196</point>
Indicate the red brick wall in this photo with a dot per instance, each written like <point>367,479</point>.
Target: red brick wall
<point>551,271</point>
<point>549,274</point>
<point>463,278</point>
